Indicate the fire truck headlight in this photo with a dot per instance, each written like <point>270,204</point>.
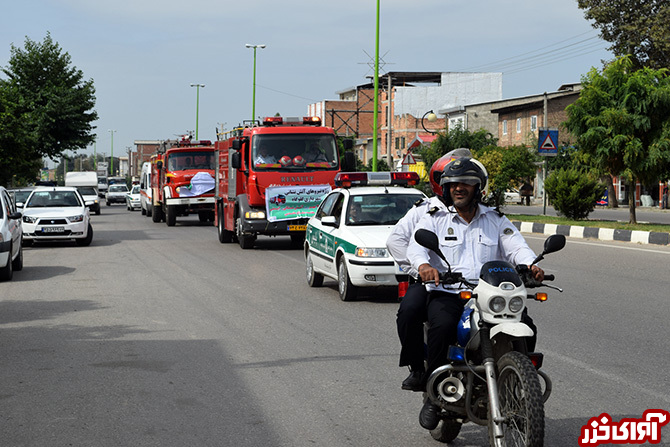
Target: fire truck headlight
<point>255,214</point>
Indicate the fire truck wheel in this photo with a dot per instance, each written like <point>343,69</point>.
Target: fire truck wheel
<point>225,236</point>
<point>171,216</point>
<point>155,213</point>
<point>246,241</point>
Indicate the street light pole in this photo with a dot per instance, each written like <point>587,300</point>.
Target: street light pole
<point>431,118</point>
<point>112,156</point>
<point>197,106</point>
<point>253,103</point>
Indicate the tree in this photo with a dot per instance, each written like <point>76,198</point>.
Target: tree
<point>454,139</point>
<point>46,108</point>
<point>636,27</point>
<point>506,166</point>
<point>622,122</point>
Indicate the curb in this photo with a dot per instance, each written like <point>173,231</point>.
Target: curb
<point>603,234</point>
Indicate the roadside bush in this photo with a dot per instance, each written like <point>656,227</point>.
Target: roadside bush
<point>573,192</point>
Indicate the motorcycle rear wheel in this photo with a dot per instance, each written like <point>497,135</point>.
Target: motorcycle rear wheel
<point>521,403</point>
<point>447,431</point>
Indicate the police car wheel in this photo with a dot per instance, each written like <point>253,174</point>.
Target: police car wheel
<point>313,279</point>
<point>345,287</point>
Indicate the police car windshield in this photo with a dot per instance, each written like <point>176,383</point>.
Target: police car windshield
<point>294,152</point>
<point>378,209</point>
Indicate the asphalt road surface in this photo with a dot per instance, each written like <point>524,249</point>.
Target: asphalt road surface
<point>158,336</point>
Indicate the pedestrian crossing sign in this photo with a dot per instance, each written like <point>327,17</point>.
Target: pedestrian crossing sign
<point>547,142</point>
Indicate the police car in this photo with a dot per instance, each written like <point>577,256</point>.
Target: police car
<point>346,238</point>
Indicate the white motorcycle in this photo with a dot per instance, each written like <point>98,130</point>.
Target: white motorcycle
<point>492,379</point>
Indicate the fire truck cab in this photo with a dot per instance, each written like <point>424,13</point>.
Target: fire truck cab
<point>183,181</point>
<point>270,178</point>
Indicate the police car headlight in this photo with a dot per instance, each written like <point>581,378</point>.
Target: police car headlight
<point>255,214</point>
<point>364,252</point>
<point>516,304</point>
<point>497,304</point>
<point>79,218</point>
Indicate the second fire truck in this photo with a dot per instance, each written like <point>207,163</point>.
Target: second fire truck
<point>182,181</point>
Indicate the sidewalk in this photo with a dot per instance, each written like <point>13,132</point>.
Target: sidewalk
<point>643,215</point>
<point>603,234</point>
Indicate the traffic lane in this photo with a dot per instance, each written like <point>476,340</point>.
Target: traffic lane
<point>603,336</point>
<point>207,348</point>
<point>88,360</point>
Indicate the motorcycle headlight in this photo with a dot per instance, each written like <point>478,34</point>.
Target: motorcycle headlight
<point>29,219</point>
<point>497,304</point>
<point>78,218</point>
<point>363,252</point>
<point>516,304</point>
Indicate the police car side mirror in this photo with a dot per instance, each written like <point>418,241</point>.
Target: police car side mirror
<point>329,221</point>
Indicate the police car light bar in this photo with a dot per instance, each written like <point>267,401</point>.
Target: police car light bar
<point>348,179</point>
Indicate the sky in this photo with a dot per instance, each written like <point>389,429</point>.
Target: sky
<point>143,55</point>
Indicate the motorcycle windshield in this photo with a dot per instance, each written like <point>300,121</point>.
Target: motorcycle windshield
<point>497,272</point>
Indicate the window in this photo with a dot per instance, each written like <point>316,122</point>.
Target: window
<point>402,142</point>
<point>397,143</point>
<point>504,127</point>
<point>518,125</point>
<point>533,123</point>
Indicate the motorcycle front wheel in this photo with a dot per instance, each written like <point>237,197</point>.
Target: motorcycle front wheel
<point>521,403</point>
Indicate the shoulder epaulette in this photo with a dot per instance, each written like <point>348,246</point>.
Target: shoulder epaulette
<point>418,202</point>
<point>433,210</point>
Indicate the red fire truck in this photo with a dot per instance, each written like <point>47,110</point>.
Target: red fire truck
<point>271,177</point>
<point>182,181</point>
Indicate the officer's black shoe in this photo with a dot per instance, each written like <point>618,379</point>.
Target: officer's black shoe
<point>414,382</point>
<point>429,416</point>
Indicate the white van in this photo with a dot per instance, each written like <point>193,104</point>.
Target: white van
<point>145,189</point>
<point>86,183</point>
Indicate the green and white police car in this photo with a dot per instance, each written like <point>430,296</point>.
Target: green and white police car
<point>346,238</point>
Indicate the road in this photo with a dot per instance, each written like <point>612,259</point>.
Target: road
<point>652,215</point>
<point>158,336</point>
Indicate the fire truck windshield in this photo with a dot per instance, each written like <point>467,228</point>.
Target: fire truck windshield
<point>180,161</point>
<point>294,152</point>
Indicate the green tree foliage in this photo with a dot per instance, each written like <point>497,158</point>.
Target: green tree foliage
<point>454,139</point>
<point>573,192</point>
<point>636,27</point>
<point>622,122</point>
<point>506,167</point>
<point>46,108</point>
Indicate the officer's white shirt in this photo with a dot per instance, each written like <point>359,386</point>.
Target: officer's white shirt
<point>403,231</point>
<point>488,237</point>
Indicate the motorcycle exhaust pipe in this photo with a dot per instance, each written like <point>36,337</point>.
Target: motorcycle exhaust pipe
<point>451,389</point>
<point>443,386</point>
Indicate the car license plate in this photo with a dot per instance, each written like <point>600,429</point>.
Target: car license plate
<point>53,230</point>
<point>297,227</point>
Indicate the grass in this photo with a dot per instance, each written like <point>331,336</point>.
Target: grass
<point>590,223</point>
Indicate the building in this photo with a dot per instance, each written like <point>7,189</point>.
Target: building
<point>405,98</point>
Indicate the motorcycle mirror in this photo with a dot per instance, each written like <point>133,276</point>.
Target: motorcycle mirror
<point>428,239</point>
<point>554,243</point>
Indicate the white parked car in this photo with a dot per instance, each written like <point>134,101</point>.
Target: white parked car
<point>11,247</point>
<point>346,238</point>
<point>133,198</point>
<point>56,213</point>
<point>116,194</point>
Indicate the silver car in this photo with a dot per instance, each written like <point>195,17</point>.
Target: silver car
<point>11,247</point>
